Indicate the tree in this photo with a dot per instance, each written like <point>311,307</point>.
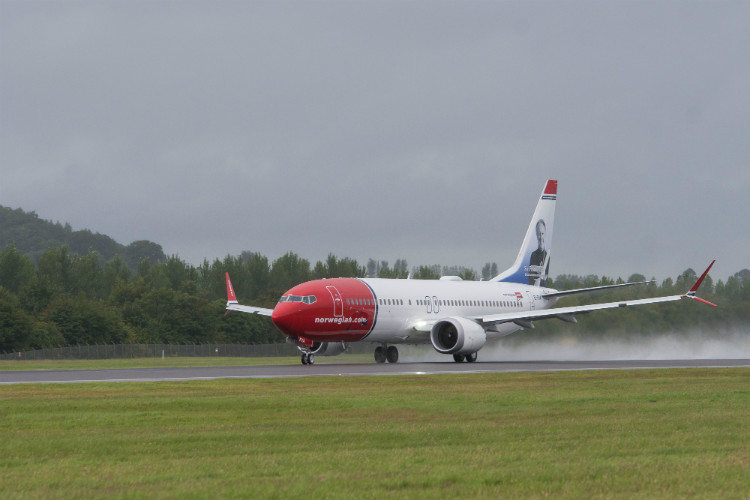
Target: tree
<point>427,272</point>
<point>462,272</point>
<point>489,271</point>
<point>15,324</point>
<point>142,249</point>
<point>83,321</point>
<point>372,268</point>
<point>86,275</point>
<point>401,268</point>
<point>16,270</point>
<point>287,271</point>
<point>337,268</point>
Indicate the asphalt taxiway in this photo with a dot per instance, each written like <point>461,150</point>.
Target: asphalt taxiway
<point>343,370</point>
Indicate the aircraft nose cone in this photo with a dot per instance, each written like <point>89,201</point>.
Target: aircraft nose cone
<point>285,318</point>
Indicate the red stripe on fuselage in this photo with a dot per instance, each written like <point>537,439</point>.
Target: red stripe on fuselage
<point>344,309</point>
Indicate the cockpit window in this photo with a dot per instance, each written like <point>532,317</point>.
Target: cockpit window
<point>306,299</point>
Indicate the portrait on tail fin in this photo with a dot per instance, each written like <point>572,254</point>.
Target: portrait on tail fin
<point>538,268</point>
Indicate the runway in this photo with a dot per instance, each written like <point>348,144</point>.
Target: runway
<point>340,370</point>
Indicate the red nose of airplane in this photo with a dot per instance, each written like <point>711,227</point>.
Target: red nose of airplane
<point>338,309</point>
<point>286,318</point>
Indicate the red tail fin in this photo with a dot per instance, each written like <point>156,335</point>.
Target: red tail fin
<point>231,297</point>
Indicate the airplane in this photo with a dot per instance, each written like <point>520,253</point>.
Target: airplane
<point>456,316</point>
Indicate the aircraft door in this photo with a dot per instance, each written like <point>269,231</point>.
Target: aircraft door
<point>338,302</point>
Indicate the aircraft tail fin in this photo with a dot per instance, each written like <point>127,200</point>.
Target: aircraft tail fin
<point>532,263</point>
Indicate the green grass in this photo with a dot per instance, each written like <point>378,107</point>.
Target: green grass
<point>176,361</point>
<point>678,433</point>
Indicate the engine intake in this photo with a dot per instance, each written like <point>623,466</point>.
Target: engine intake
<point>457,335</point>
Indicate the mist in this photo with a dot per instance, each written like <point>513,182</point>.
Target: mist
<point>729,344</point>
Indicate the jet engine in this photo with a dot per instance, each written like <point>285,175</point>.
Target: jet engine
<point>328,348</point>
<point>457,335</point>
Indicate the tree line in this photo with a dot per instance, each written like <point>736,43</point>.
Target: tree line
<point>66,298</point>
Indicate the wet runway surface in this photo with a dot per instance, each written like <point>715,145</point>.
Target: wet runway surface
<point>345,370</point>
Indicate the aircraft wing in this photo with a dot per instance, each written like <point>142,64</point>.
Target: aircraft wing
<point>568,313</point>
<point>233,305</point>
<point>524,318</point>
<point>592,289</point>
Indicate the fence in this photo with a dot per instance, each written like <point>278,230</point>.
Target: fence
<point>113,351</point>
<point>118,351</point>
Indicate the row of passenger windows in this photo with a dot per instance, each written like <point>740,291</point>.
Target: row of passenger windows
<point>454,303</point>
<point>360,302</point>
<point>311,299</point>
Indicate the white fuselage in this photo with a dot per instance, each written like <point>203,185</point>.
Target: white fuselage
<point>404,304</point>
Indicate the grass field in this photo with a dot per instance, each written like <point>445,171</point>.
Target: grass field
<point>678,433</point>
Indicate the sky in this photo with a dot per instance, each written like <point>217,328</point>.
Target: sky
<point>417,130</point>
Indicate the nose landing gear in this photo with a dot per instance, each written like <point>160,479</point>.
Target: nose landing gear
<point>308,358</point>
<point>386,353</point>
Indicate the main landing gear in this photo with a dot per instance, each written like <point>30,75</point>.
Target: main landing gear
<point>469,358</point>
<point>386,353</point>
<point>308,358</point>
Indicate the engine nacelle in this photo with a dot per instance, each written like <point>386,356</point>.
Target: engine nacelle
<point>457,336</point>
<point>328,348</point>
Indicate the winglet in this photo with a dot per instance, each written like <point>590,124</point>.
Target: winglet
<point>231,297</point>
<point>691,293</point>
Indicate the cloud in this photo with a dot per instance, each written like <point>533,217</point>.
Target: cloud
<point>420,130</point>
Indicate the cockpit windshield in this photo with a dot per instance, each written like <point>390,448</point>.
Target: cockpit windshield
<point>305,299</point>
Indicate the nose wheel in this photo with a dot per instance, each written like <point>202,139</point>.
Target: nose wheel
<point>308,358</point>
<point>386,353</point>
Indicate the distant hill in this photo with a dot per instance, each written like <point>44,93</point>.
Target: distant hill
<point>32,236</point>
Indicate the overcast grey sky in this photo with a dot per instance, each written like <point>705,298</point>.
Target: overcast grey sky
<point>416,130</point>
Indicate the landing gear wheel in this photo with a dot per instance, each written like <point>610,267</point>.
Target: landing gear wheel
<point>391,354</point>
<point>308,358</point>
<point>304,358</point>
<point>379,354</point>
<point>470,358</point>
<point>459,358</point>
